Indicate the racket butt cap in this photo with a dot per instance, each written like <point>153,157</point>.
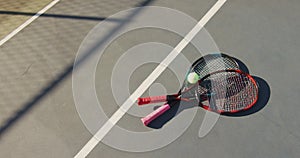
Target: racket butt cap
<point>145,121</point>
<point>142,101</point>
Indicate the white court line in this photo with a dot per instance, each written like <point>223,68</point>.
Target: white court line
<point>149,80</point>
<point>29,21</point>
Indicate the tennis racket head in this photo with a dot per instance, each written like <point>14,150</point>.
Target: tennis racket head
<point>208,64</point>
<point>212,63</point>
<point>228,91</point>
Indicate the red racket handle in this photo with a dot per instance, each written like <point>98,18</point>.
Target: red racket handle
<point>154,99</point>
<point>146,120</point>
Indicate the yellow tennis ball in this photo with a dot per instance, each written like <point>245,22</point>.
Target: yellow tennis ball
<point>193,78</point>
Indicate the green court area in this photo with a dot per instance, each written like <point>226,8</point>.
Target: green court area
<point>15,12</point>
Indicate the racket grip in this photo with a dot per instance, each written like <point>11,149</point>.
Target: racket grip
<point>154,99</point>
<point>146,120</point>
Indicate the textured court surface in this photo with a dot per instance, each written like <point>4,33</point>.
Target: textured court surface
<point>17,8</point>
<point>34,72</point>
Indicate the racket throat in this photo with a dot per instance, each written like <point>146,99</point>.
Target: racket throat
<point>171,98</point>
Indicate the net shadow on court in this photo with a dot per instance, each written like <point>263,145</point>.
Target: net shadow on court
<point>61,16</point>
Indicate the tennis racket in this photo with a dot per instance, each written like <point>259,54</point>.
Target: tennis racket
<point>229,90</point>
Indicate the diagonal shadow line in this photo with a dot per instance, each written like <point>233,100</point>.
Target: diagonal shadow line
<point>27,107</point>
<point>62,16</point>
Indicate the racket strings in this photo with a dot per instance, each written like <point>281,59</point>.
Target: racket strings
<point>212,63</point>
<point>230,91</point>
